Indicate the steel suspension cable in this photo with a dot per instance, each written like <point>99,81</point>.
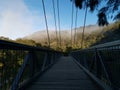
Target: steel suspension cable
<point>46,22</point>
<point>84,26</point>
<point>72,22</point>
<point>59,23</point>
<point>75,26</point>
<point>55,22</point>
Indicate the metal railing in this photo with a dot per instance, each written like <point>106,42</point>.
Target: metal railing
<point>20,64</point>
<point>103,61</point>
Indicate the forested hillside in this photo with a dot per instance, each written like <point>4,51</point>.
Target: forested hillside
<point>106,34</point>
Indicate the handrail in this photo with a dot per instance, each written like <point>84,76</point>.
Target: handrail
<point>103,61</point>
<point>109,44</point>
<point>20,63</point>
<point>17,46</point>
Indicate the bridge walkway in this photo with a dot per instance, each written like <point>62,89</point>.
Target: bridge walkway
<point>64,75</point>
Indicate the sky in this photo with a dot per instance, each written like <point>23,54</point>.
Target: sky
<point>19,18</point>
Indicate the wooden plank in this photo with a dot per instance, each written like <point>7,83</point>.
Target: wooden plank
<point>64,75</point>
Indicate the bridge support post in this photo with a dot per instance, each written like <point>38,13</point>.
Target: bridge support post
<point>52,58</point>
<point>32,64</point>
<point>85,60</point>
<point>44,62</point>
<point>98,65</point>
<point>20,72</point>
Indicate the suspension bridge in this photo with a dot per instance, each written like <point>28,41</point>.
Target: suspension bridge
<point>24,67</point>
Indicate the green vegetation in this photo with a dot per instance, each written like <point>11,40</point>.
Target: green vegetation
<point>107,34</point>
<point>10,63</point>
<point>106,9</point>
<point>11,60</point>
<point>96,37</point>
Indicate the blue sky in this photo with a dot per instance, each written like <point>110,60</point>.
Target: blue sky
<point>19,18</point>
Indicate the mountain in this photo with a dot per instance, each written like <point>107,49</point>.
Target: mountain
<point>41,36</point>
<point>93,35</point>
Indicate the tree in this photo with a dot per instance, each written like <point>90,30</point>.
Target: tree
<point>25,41</point>
<point>110,10</point>
<point>5,38</point>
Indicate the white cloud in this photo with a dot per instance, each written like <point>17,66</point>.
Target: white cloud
<point>16,20</point>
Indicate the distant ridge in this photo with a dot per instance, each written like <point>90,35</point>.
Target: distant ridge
<point>41,35</point>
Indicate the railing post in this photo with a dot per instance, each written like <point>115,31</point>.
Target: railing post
<point>31,64</point>
<point>52,58</point>
<point>20,72</point>
<point>98,65</point>
<point>36,62</point>
<point>104,68</point>
<point>85,60</point>
<point>44,62</point>
<point>55,56</point>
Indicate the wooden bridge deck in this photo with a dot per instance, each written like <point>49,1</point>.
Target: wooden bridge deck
<point>64,75</point>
